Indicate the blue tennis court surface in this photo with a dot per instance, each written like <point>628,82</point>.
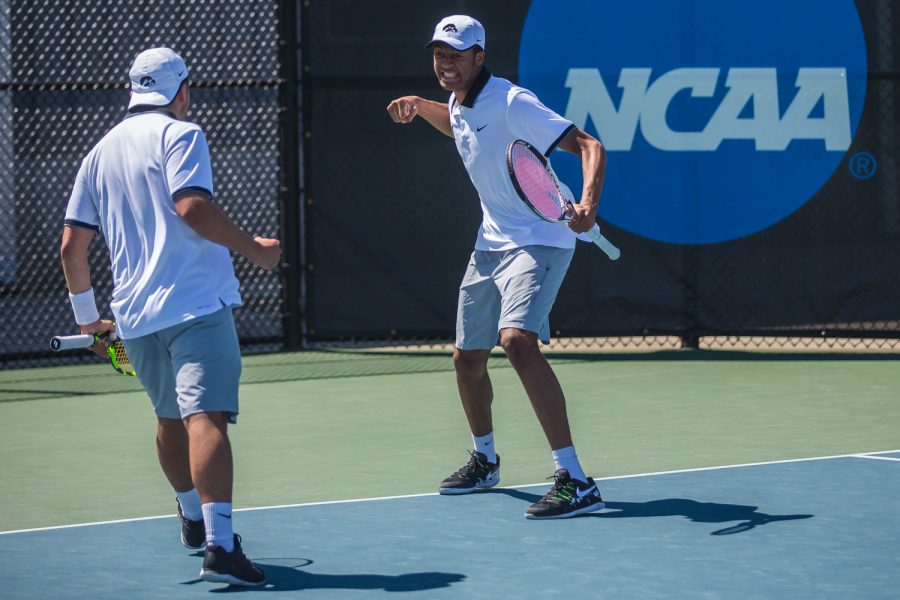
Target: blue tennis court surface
<point>818,528</point>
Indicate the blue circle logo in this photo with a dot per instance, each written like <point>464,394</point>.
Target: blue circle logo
<point>720,118</point>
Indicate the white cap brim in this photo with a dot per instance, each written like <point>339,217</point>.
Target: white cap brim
<point>152,98</point>
<point>453,42</point>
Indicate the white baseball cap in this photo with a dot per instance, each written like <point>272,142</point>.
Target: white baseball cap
<point>156,75</point>
<point>458,31</point>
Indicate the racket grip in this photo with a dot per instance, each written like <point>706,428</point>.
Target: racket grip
<point>611,251</point>
<point>72,342</point>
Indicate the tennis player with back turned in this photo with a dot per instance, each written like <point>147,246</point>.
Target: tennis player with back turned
<point>147,186</point>
<point>519,261</point>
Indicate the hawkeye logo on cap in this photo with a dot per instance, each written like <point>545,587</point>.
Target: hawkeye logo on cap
<point>709,140</point>
<point>147,81</point>
<point>450,28</point>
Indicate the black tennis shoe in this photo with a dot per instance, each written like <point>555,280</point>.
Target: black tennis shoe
<point>568,497</point>
<point>476,474</point>
<point>232,567</point>
<point>193,533</point>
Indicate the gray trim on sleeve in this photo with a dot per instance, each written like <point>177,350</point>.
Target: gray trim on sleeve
<point>76,223</point>
<point>559,139</point>
<point>192,188</point>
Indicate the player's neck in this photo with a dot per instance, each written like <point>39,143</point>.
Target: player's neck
<point>461,93</point>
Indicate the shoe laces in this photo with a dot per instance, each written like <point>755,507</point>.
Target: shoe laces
<point>559,487</point>
<point>241,559</point>
<point>473,466</point>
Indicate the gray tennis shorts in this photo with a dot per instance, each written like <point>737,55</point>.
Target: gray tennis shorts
<point>509,288</point>
<point>192,367</point>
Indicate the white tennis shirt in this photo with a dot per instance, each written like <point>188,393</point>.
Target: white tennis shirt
<point>164,273</point>
<point>493,113</point>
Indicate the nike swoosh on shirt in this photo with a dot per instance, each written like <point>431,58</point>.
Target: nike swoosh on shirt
<point>226,516</point>
<point>477,129</point>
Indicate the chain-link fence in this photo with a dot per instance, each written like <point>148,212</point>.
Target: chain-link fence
<point>826,271</point>
<point>64,76</point>
<point>378,220</point>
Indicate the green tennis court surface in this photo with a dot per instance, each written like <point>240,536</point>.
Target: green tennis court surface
<point>77,447</point>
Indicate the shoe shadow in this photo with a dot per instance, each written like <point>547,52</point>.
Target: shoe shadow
<point>698,512</point>
<point>518,494</point>
<point>282,578</point>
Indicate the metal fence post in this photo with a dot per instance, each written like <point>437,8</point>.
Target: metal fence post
<point>289,188</point>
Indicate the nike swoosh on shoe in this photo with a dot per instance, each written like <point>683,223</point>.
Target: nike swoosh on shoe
<point>588,491</point>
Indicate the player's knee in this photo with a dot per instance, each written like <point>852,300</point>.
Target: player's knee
<point>469,362</point>
<point>207,420</point>
<point>170,432</point>
<point>517,343</point>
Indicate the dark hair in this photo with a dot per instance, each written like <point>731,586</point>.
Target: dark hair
<point>139,108</point>
<point>183,82</point>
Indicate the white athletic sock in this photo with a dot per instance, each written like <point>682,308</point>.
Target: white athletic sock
<point>217,518</point>
<point>565,458</point>
<point>485,445</point>
<point>190,505</point>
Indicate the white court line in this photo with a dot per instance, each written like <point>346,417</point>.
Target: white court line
<point>875,457</point>
<point>329,502</point>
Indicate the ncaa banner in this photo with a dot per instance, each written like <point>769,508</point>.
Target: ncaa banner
<point>720,118</point>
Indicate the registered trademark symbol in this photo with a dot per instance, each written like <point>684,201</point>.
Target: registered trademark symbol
<point>863,165</point>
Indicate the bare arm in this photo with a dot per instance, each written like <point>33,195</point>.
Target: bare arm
<point>211,223</point>
<point>405,109</point>
<point>73,253</point>
<point>593,169</point>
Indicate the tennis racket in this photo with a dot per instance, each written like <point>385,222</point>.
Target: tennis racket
<point>115,349</point>
<point>538,187</point>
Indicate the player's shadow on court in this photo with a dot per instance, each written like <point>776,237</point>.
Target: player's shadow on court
<point>282,578</point>
<point>698,512</point>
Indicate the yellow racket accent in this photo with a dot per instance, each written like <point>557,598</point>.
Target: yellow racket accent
<point>119,359</point>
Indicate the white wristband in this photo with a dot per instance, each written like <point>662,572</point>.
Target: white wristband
<point>84,306</point>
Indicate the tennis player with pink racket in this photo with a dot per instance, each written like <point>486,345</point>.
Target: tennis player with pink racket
<point>537,186</point>
<point>519,261</point>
